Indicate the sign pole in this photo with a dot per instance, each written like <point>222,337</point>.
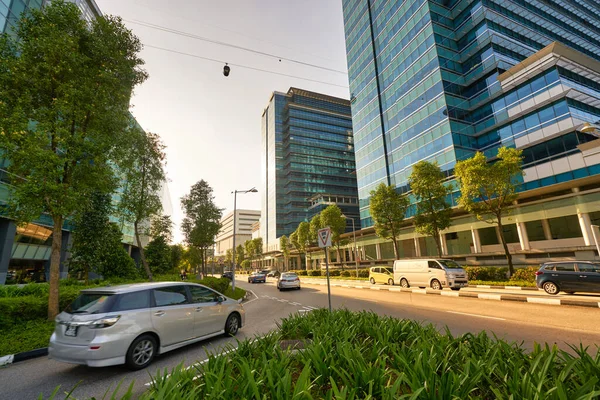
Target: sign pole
<point>327,272</point>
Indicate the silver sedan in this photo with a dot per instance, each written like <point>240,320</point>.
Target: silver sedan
<point>131,324</point>
<point>288,280</point>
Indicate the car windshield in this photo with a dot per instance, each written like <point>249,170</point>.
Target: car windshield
<point>289,275</point>
<point>449,264</point>
<point>90,303</point>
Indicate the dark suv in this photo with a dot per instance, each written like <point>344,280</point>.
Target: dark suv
<point>569,277</point>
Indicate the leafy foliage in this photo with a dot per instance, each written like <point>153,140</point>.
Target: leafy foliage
<point>350,355</point>
<point>387,209</point>
<point>284,247</point>
<point>65,87</point>
<point>177,251</point>
<point>488,190</point>
<point>158,255</point>
<point>433,212</point>
<point>202,219</point>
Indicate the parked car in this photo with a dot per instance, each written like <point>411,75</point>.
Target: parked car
<point>257,277</point>
<point>381,275</point>
<point>569,277</point>
<point>131,324</point>
<point>436,274</point>
<point>288,280</point>
<point>228,275</point>
<point>273,274</point>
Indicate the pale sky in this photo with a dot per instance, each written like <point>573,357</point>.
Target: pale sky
<point>212,124</point>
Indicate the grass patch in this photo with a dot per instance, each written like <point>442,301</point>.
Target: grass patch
<point>504,283</point>
<point>25,336</point>
<point>366,356</point>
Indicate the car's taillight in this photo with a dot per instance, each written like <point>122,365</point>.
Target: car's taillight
<point>297,279</point>
<point>538,273</point>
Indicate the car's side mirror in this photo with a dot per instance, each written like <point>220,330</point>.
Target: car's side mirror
<point>220,299</point>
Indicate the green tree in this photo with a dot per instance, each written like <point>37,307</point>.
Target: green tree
<point>92,226</point>
<point>65,87</point>
<point>387,209</point>
<point>228,257</point>
<point>315,225</point>
<point>177,251</point>
<point>258,247</point>
<point>114,261</point>
<point>433,212</point>
<point>192,257</point>
<point>240,254</point>
<point>162,226</point>
<point>332,217</point>
<point>284,247</point>
<point>249,250</point>
<point>202,219</point>
<point>488,190</point>
<point>158,255</point>
<point>143,172</point>
<point>302,239</point>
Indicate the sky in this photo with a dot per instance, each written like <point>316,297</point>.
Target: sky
<point>211,124</point>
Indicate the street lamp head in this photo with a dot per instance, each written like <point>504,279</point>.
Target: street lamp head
<point>253,190</point>
<point>590,128</point>
<point>343,216</point>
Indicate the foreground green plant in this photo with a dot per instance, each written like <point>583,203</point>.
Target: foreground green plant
<point>362,355</point>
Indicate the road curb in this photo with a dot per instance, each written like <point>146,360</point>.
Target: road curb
<point>25,355</point>
<point>357,282</point>
<point>482,296</point>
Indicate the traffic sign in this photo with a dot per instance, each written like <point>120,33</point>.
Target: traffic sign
<point>324,237</point>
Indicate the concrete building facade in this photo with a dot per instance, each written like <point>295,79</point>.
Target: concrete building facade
<point>244,221</point>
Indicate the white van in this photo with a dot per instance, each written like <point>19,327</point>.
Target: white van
<point>436,274</point>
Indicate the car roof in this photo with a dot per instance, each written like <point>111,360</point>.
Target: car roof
<point>569,262</point>
<point>134,287</point>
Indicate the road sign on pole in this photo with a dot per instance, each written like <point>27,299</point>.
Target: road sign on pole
<point>324,239</point>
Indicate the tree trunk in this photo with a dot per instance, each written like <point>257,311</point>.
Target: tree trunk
<point>396,250</point>
<point>438,244</point>
<point>511,269</point>
<point>142,255</point>
<point>55,267</point>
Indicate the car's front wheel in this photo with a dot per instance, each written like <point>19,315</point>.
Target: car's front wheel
<point>404,283</point>
<point>372,280</point>
<point>391,282</point>
<point>141,352</point>
<point>551,288</point>
<point>232,325</point>
<point>436,285</point>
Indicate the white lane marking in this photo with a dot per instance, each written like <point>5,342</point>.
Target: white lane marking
<point>311,307</point>
<point>489,296</point>
<point>393,289</point>
<point>295,304</point>
<point>476,315</point>
<point>450,294</point>
<point>554,302</point>
<point>256,297</point>
<point>283,301</point>
<point>346,286</point>
<point>358,287</point>
<point>483,286</point>
<point>375,288</point>
<point>513,287</point>
<point>420,291</point>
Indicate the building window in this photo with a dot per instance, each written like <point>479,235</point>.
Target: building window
<point>565,227</point>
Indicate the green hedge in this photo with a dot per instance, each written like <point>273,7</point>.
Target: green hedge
<point>362,355</point>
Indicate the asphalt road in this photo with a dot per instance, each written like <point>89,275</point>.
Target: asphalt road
<point>526,323</point>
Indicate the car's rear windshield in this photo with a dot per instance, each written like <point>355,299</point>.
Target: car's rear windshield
<point>449,264</point>
<point>91,303</point>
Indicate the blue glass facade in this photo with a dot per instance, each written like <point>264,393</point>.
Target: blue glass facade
<point>307,149</point>
<point>428,81</point>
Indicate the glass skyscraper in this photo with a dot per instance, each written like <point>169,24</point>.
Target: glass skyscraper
<point>438,80</point>
<point>307,150</point>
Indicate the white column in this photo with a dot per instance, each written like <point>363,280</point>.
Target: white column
<point>476,240</point>
<point>378,251</point>
<point>547,231</point>
<point>417,247</point>
<point>585,223</point>
<point>444,244</point>
<point>523,238</point>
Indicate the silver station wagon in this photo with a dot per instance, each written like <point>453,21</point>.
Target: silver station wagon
<point>131,324</point>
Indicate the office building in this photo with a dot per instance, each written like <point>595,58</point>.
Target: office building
<point>307,150</point>
<point>244,221</point>
<point>438,80</point>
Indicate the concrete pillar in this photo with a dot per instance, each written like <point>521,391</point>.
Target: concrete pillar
<point>417,247</point>
<point>523,237</point>
<point>444,244</point>
<point>585,223</point>
<point>7,238</point>
<point>547,231</point>
<point>476,240</point>
<point>378,251</point>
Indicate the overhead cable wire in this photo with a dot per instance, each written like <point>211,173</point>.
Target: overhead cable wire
<point>243,66</point>
<point>218,42</point>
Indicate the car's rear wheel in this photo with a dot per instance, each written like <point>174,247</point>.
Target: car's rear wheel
<point>372,280</point>
<point>551,288</point>
<point>141,352</point>
<point>436,285</point>
<point>232,325</point>
<point>404,283</point>
<point>391,282</point>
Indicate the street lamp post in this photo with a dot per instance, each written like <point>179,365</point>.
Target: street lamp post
<point>235,192</point>
<point>355,247</point>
